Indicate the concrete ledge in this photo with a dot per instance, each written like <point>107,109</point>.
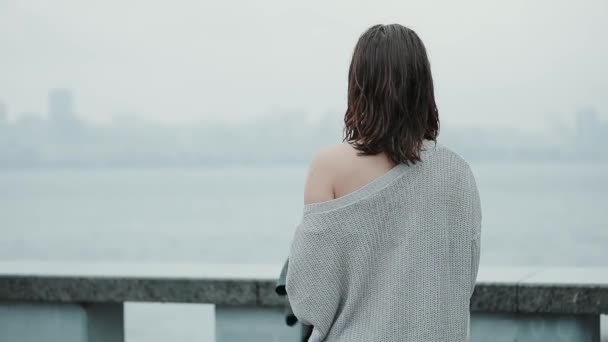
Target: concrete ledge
<point>507,290</point>
<point>542,290</point>
<point>121,282</point>
<point>118,290</point>
<point>492,297</point>
<point>565,290</point>
<point>563,299</point>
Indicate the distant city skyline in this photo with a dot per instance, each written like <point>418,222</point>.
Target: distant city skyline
<point>61,104</point>
<point>63,138</point>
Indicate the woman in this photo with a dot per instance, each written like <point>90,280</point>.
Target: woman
<point>388,246</point>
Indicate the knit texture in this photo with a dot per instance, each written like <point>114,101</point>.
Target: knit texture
<point>395,260</point>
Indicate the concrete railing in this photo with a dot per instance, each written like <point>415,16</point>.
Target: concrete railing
<point>84,302</point>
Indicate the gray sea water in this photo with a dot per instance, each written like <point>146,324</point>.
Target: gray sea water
<point>533,214</point>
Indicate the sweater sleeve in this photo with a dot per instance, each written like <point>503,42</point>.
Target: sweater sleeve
<point>475,224</point>
<point>314,277</point>
<point>475,252</point>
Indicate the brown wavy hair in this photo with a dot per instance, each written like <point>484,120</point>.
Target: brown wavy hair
<point>391,101</point>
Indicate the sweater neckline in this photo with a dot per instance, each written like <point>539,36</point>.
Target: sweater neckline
<point>373,186</point>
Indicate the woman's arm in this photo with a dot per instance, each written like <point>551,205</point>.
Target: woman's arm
<point>312,276</point>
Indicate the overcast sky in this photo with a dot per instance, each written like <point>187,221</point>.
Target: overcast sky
<point>494,62</point>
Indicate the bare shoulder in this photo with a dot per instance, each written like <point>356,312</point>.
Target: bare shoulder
<point>323,170</point>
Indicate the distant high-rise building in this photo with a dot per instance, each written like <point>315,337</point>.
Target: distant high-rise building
<point>589,135</point>
<point>61,105</point>
<point>3,112</point>
<point>586,121</point>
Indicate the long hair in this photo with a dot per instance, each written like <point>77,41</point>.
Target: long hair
<point>391,102</point>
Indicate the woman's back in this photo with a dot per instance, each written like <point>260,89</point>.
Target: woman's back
<point>394,260</point>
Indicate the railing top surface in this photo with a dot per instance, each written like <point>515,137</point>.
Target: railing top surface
<point>143,270</point>
<point>580,290</point>
<point>549,276</point>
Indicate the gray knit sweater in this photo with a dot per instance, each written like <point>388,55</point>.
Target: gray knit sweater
<point>395,260</point>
